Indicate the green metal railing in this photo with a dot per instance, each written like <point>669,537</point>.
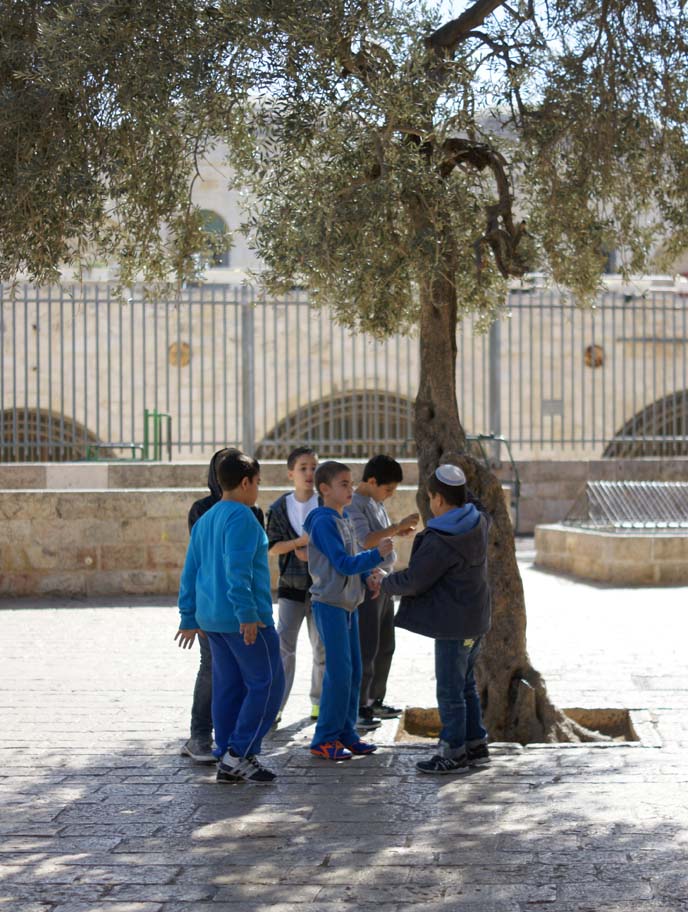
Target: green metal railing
<point>157,434</point>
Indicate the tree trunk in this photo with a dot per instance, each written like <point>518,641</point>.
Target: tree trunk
<point>513,694</point>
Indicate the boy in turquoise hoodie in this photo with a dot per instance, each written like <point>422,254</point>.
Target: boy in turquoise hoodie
<point>225,593</point>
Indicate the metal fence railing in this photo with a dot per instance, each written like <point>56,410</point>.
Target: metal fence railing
<point>80,366</point>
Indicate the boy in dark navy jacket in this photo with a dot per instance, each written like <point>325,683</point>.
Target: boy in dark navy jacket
<point>446,596</point>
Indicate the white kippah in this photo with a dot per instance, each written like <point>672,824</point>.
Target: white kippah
<point>450,475</point>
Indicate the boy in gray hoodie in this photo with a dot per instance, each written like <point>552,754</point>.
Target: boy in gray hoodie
<point>337,590</point>
<point>446,596</point>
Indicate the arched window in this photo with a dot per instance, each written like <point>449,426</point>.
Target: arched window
<point>354,424</point>
<point>660,429</point>
<point>39,435</point>
<point>215,224</point>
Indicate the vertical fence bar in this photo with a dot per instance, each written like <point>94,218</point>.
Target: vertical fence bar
<point>247,371</point>
<point>39,449</point>
<point>193,358</point>
<point>27,436</point>
<point>200,308</point>
<point>143,360</point>
<point>4,451</point>
<point>495,388</point>
<point>213,369</point>
<point>49,306</point>
<point>84,312</point>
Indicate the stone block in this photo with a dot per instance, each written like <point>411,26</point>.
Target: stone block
<point>27,505</point>
<point>68,583</point>
<point>128,582</point>
<point>670,547</point>
<point>631,573</point>
<point>165,557</point>
<point>175,530</point>
<point>23,475</point>
<point>670,572</point>
<point>15,530</point>
<point>76,475</point>
<point>117,557</point>
<point>625,548</point>
<point>18,584</point>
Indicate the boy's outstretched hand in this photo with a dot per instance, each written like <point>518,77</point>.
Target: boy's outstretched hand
<point>250,632</point>
<point>373,581</point>
<point>186,637</point>
<point>408,524</point>
<point>385,547</point>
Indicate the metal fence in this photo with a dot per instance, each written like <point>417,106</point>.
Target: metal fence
<point>80,365</point>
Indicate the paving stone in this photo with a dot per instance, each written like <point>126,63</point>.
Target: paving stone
<point>116,821</point>
<point>107,906</point>
<point>12,905</point>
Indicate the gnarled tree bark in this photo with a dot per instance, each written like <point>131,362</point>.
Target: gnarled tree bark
<point>513,694</point>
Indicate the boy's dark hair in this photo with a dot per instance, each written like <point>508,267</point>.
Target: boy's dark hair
<point>328,471</point>
<point>235,466</point>
<point>300,451</point>
<point>453,494</point>
<point>384,470</point>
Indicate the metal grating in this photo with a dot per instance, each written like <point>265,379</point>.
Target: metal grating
<point>627,505</point>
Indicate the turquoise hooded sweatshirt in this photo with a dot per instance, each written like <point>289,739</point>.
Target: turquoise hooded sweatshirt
<point>226,580</point>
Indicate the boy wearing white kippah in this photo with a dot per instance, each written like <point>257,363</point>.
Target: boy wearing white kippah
<point>446,596</point>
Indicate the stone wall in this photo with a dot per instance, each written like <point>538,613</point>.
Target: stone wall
<point>549,488</point>
<point>106,542</point>
<point>623,559</point>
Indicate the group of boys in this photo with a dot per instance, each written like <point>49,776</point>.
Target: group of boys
<point>336,559</point>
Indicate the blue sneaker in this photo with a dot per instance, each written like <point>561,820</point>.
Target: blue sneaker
<point>331,750</point>
<point>361,747</point>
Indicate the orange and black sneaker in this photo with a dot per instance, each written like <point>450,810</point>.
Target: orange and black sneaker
<point>331,750</point>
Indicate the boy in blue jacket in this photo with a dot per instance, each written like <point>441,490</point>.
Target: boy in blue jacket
<point>446,596</point>
<point>337,590</point>
<point>225,592</point>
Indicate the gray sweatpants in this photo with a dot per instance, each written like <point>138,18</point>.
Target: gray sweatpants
<point>290,619</point>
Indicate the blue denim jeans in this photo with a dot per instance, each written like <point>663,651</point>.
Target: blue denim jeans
<point>201,712</point>
<point>457,695</point>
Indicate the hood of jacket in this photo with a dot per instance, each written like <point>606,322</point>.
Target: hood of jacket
<point>456,521</point>
<point>213,483</point>
<point>316,514</point>
<point>461,536</point>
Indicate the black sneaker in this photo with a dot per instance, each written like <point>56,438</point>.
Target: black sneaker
<point>233,768</point>
<point>478,755</point>
<point>366,719</point>
<point>384,711</point>
<point>442,766</point>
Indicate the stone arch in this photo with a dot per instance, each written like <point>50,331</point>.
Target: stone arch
<point>39,435</point>
<point>655,430</point>
<point>353,424</point>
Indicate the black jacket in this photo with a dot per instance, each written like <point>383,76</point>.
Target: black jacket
<point>294,579</point>
<point>199,507</point>
<point>444,590</point>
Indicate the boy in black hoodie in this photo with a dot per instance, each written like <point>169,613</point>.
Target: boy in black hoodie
<point>446,596</point>
<point>200,745</point>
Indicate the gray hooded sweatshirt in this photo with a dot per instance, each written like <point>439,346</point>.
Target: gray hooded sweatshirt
<point>335,567</point>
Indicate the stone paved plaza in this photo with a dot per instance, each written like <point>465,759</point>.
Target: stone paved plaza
<point>99,813</point>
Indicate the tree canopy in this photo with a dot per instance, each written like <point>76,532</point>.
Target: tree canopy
<point>377,141</point>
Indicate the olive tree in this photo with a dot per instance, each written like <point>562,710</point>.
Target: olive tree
<point>403,166</point>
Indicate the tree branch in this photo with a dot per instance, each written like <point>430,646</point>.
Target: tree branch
<point>451,34</point>
<point>501,235</point>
